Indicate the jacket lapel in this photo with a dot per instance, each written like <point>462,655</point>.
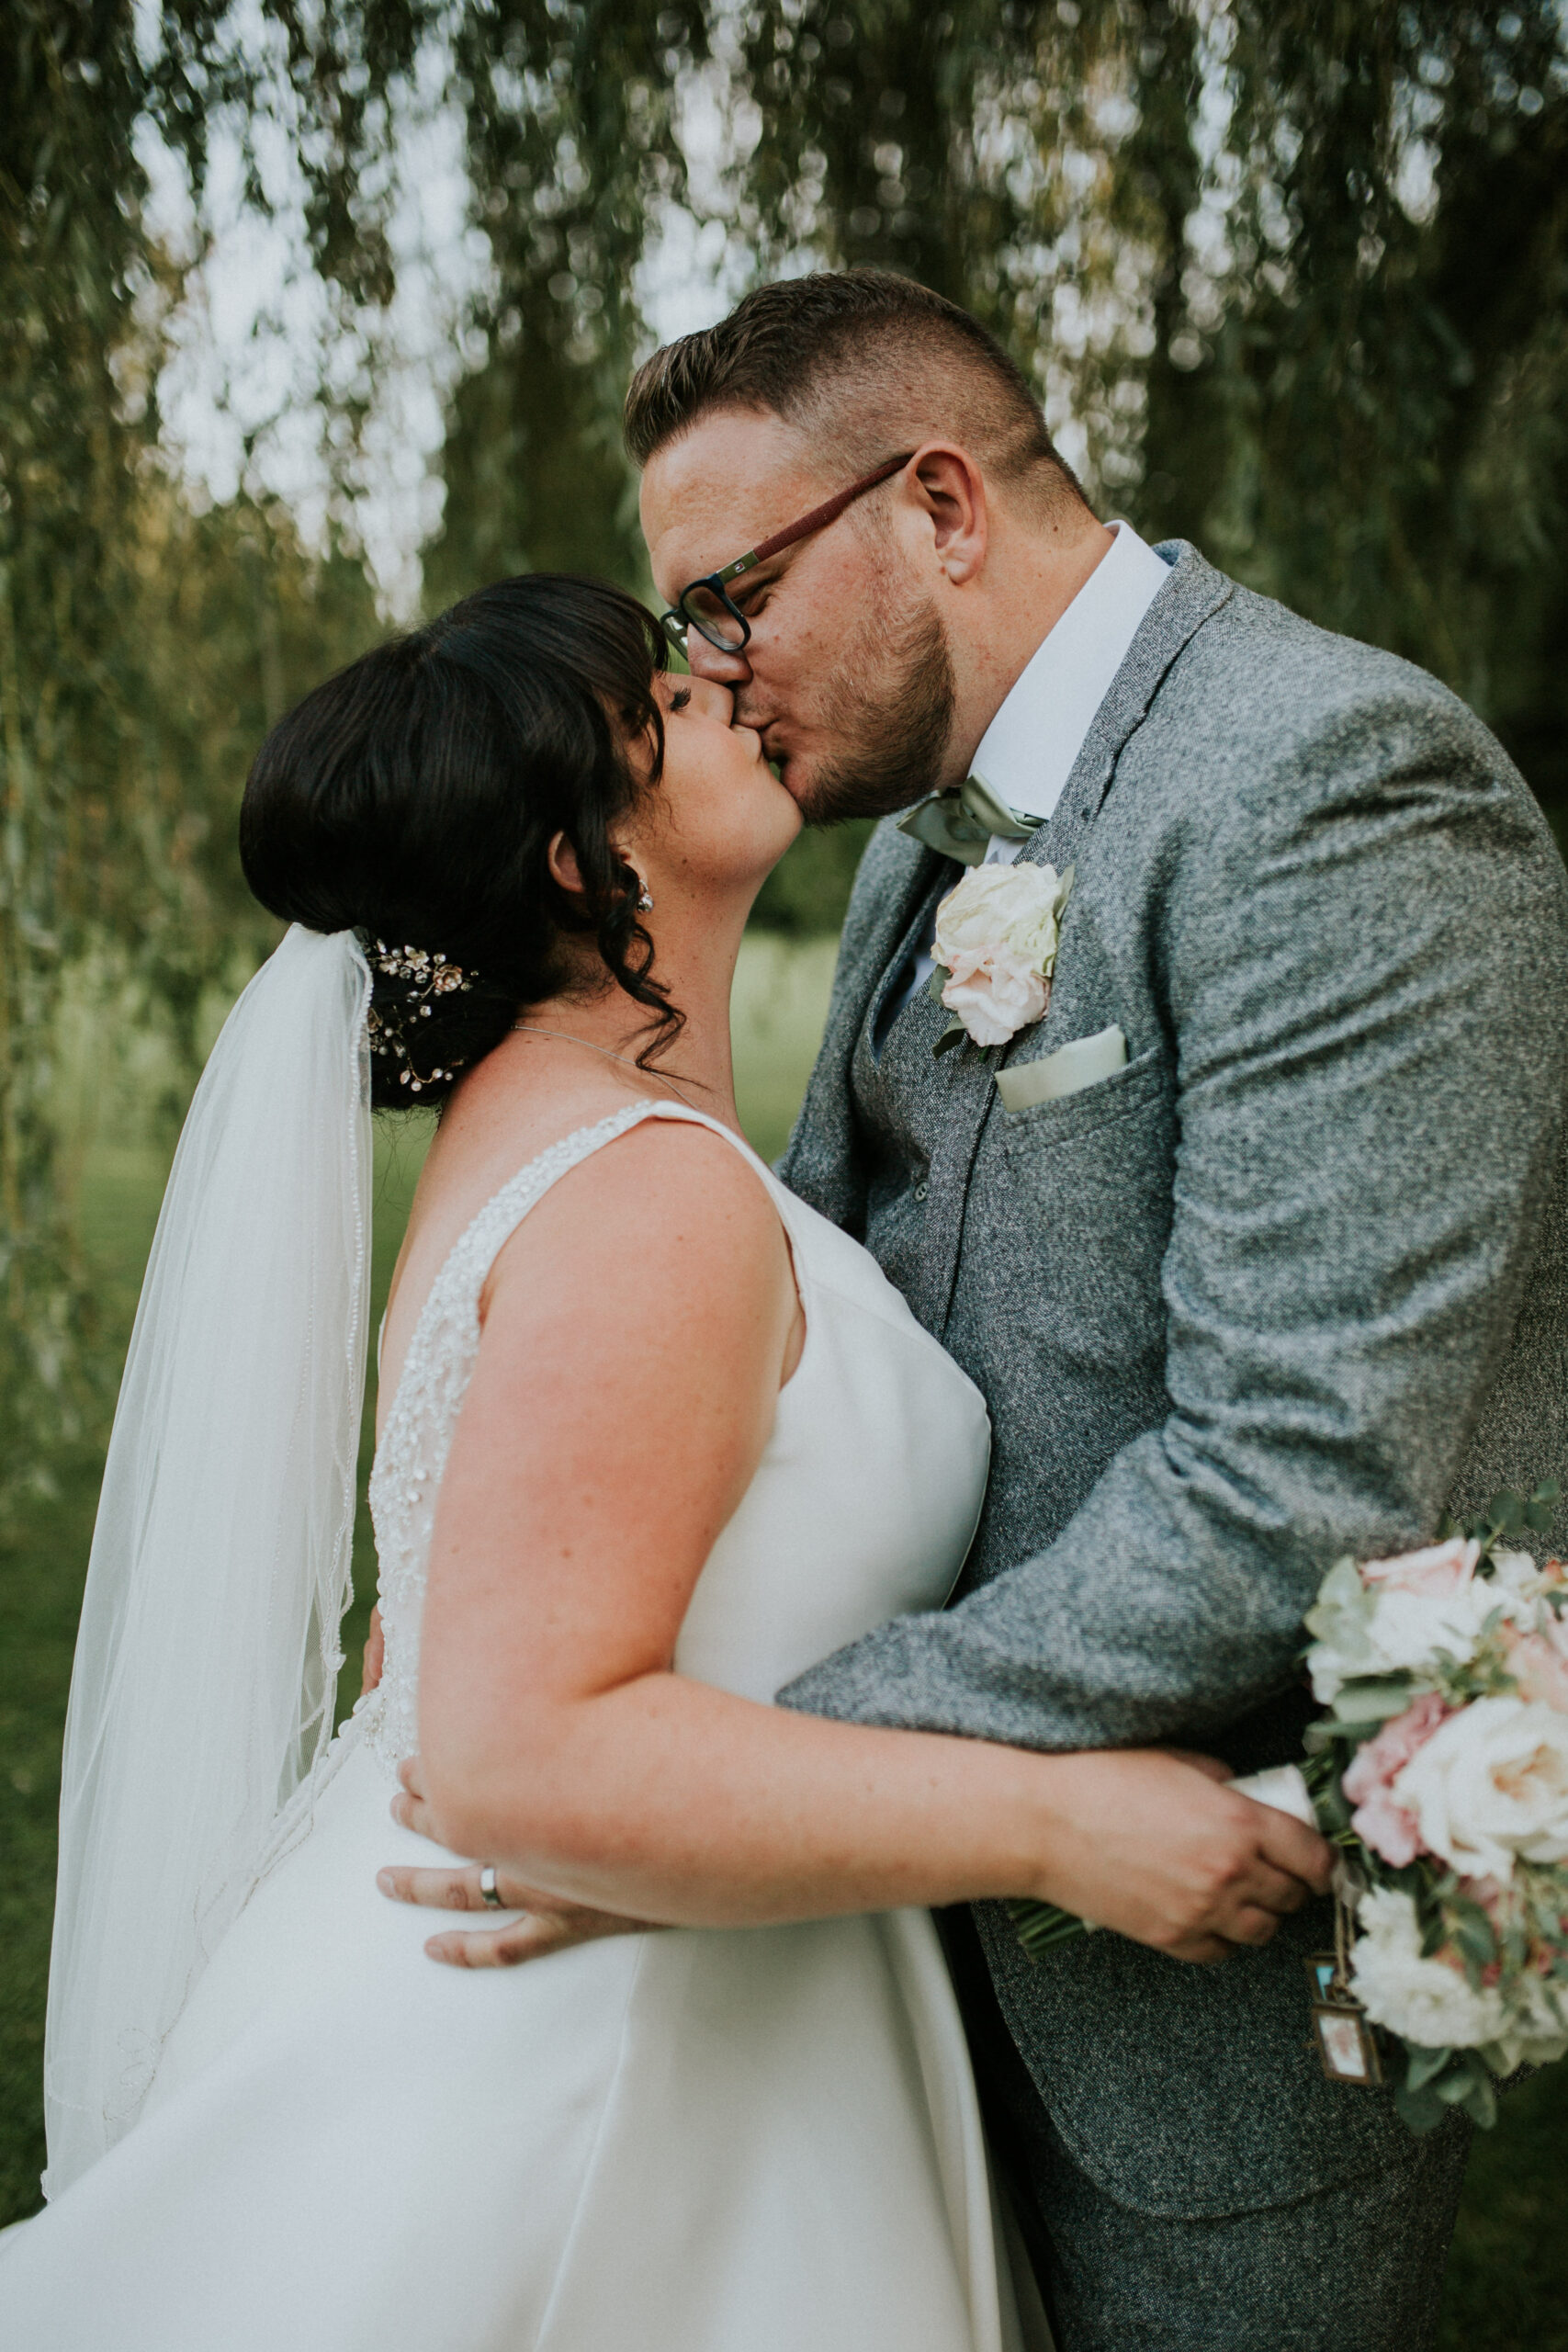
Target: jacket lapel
<point>1192,595</point>
<point>1195,592</point>
<point>822,1162</point>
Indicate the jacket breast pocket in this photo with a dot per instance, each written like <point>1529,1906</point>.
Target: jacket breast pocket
<point>1059,1311</point>
<point>1132,1094</point>
<point>1082,1188</point>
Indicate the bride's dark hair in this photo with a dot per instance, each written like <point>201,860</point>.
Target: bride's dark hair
<point>413,798</point>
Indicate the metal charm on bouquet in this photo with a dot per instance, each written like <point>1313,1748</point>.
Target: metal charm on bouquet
<point>1344,2035</point>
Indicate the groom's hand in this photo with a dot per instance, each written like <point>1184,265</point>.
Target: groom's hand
<point>542,1924</point>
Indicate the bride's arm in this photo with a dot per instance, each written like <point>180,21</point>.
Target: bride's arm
<point>635,1334</point>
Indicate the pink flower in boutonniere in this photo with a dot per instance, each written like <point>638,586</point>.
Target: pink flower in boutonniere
<point>995,951</point>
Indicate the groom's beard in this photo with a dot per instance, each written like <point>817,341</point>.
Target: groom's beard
<point>889,733</point>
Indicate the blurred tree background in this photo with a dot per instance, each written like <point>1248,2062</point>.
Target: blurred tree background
<point>1291,276</point>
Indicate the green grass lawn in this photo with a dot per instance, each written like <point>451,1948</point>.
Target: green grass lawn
<point>1508,2281</point>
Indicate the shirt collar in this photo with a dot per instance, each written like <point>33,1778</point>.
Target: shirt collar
<point>1026,754</point>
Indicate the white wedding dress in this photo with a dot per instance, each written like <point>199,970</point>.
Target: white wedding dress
<point>757,2140</point>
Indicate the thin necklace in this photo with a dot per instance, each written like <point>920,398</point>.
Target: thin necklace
<point>533,1029</point>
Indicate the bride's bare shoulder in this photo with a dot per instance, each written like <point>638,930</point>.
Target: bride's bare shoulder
<point>656,1271</point>
<point>658,1196</point>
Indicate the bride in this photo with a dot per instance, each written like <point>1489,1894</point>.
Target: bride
<point>654,1437</point>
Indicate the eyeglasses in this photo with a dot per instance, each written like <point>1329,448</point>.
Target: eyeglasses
<point>703,605</point>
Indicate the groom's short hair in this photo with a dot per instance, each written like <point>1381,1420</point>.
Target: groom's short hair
<point>865,362</point>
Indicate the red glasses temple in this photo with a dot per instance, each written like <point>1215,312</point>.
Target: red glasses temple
<point>828,512</point>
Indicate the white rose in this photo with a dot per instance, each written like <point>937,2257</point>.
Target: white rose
<point>1013,906</point>
<point>1393,1616</point>
<point>1536,2029</point>
<point>1425,2001</point>
<point>994,995</point>
<point>1491,1785</point>
<point>1518,1573</point>
<point>1408,1629</point>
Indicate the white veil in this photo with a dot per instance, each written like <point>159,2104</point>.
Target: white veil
<point>202,1694</point>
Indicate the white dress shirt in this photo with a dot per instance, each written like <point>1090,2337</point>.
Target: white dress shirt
<point>1027,753</point>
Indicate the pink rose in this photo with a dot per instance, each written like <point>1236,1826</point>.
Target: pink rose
<point>993,992</point>
<point>1388,1829</point>
<point>1387,1826</point>
<point>1442,1567</point>
<point>1539,1664</point>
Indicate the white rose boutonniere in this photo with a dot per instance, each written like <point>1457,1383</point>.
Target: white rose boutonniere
<point>996,951</point>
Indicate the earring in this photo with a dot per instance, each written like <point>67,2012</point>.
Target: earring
<point>644,898</point>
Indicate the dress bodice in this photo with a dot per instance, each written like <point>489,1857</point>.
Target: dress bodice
<point>688,2141</point>
<point>861,1507</point>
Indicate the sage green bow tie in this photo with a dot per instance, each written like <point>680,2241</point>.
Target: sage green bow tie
<point>961,823</point>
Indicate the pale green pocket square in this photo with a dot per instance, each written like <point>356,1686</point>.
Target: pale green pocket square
<point>1083,1063</point>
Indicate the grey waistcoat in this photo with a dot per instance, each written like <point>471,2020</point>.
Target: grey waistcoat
<point>1286,1285</point>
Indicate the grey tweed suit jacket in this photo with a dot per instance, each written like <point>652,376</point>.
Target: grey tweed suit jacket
<point>1286,1285</point>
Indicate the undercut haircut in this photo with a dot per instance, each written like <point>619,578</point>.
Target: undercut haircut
<point>867,364</point>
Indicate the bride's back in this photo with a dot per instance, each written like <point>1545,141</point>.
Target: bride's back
<point>499,1119</point>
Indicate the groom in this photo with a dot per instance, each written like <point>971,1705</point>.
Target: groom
<point>1271,1269</point>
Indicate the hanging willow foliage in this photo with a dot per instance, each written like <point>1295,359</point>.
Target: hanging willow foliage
<point>1292,276</point>
<point>144,645</point>
<point>1298,268</point>
<point>572,149</point>
<point>68,252</point>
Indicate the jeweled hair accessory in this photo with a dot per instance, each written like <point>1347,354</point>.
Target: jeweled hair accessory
<point>429,975</point>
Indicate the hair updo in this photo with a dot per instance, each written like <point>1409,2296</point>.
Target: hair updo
<point>414,797</point>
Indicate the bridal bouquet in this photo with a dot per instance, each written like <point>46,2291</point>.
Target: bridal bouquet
<point>1440,1771</point>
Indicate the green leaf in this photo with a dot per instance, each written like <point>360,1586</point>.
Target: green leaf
<point>1542,1507</point>
<point>1424,2065</point>
<point>938,982</point>
<point>1435,2080</point>
<point>1420,2111</point>
<point>1474,2091</point>
<point>953,1034</point>
<point>1374,1701</point>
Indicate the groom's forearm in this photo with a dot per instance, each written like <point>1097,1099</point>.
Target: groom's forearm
<point>1373,1065</point>
<point>1149,1619</point>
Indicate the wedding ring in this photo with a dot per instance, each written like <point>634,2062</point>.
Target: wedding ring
<point>488,1888</point>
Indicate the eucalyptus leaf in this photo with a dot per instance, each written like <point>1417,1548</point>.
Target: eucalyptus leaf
<point>1542,1507</point>
<point>1423,2067</point>
<point>1374,1701</point>
<point>1470,2085</point>
<point>1421,2112</point>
